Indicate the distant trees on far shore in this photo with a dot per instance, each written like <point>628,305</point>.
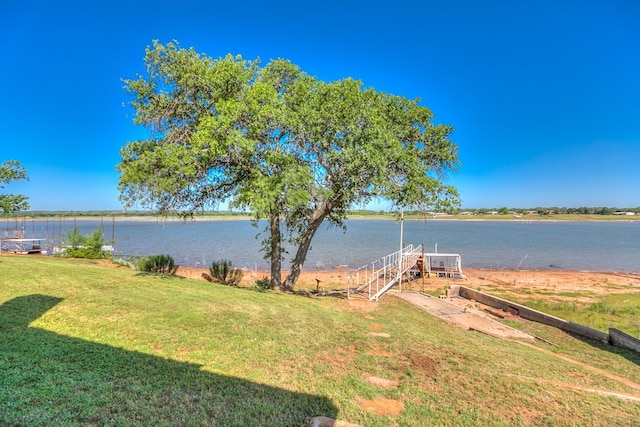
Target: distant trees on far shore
<point>542,211</point>
<point>555,211</point>
<point>502,211</point>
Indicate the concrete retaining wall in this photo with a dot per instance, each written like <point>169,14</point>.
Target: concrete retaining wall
<point>531,314</point>
<point>620,339</point>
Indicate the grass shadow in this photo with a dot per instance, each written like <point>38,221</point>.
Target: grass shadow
<point>51,379</point>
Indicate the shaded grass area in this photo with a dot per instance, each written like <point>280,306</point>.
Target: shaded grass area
<point>83,344</point>
<point>52,379</point>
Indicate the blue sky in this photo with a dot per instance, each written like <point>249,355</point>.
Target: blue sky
<point>544,95</point>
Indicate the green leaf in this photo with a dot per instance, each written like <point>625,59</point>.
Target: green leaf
<point>279,143</point>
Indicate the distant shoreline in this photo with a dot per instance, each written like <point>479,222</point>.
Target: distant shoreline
<point>238,217</point>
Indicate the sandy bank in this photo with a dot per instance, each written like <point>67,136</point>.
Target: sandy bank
<point>517,281</point>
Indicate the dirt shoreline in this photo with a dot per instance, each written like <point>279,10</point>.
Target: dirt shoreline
<point>555,281</point>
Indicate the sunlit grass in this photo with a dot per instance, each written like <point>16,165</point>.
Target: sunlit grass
<point>86,344</point>
<point>620,311</point>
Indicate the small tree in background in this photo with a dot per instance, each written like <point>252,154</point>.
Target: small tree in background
<point>12,170</point>
<point>89,246</point>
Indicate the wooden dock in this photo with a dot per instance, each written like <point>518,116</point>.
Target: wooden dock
<point>24,246</point>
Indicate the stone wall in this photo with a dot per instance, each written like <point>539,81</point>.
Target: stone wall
<point>615,337</point>
<point>620,339</point>
<point>531,314</point>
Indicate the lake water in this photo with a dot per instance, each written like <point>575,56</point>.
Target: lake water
<point>590,246</point>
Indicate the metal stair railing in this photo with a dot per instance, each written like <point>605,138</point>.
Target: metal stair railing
<point>408,261</point>
<point>379,276</point>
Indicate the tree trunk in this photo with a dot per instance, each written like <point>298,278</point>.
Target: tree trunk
<point>276,253</point>
<point>303,247</point>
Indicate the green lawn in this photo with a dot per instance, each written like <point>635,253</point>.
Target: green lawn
<point>83,344</point>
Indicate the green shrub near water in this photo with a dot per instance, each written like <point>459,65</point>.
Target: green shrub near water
<point>224,271</point>
<point>89,246</point>
<point>163,264</point>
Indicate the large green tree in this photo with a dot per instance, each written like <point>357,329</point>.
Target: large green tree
<point>291,149</point>
<point>12,170</point>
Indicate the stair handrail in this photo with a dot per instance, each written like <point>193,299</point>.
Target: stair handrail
<point>390,268</point>
<point>408,261</point>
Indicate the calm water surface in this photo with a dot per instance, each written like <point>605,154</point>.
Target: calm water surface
<point>592,246</point>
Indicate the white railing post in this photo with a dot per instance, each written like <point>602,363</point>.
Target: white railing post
<point>402,260</point>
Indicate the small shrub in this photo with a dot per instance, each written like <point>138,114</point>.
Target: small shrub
<point>224,271</point>
<point>129,262</point>
<point>89,246</point>
<point>163,264</point>
<point>263,284</point>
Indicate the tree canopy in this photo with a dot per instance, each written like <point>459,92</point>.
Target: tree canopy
<point>272,140</point>
<point>12,170</point>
